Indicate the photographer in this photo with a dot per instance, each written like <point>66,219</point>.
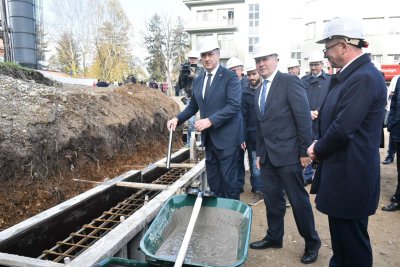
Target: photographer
<point>189,71</point>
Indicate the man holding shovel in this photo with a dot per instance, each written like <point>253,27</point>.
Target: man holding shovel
<point>217,94</point>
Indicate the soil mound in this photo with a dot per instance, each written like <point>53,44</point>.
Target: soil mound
<point>51,134</point>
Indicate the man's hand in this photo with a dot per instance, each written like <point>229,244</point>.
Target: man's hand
<point>202,124</point>
<point>310,151</point>
<point>243,145</point>
<point>305,161</point>
<point>258,162</point>
<point>172,124</point>
<point>314,114</point>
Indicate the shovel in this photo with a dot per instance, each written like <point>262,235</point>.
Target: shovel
<point>192,222</point>
<point>168,163</point>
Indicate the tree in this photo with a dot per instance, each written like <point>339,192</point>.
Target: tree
<point>41,44</point>
<point>180,46</point>
<point>155,40</point>
<point>67,54</point>
<point>112,51</point>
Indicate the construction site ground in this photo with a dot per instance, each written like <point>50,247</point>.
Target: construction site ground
<point>384,230</point>
<point>53,139</point>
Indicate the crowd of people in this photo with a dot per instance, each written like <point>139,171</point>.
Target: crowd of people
<point>322,129</point>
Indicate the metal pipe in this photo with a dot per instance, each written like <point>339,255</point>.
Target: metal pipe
<point>168,165</point>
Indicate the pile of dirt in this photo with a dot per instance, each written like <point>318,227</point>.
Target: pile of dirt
<point>52,134</point>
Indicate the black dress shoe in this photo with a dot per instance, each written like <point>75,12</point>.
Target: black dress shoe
<point>392,207</point>
<point>388,160</point>
<point>263,244</point>
<point>310,255</point>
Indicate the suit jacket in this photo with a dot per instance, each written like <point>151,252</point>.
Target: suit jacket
<point>221,105</point>
<point>347,181</point>
<point>316,90</point>
<point>284,132</point>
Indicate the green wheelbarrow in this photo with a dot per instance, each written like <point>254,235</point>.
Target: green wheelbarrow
<point>220,236</point>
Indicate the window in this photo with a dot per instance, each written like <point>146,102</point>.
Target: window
<point>254,22</point>
<point>394,25</point>
<point>377,58</point>
<point>310,30</point>
<point>225,41</point>
<point>226,14</point>
<point>296,55</point>
<point>374,26</point>
<point>254,15</point>
<point>204,15</point>
<point>395,58</point>
<point>252,42</point>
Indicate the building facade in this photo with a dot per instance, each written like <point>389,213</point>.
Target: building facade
<point>294,25</point>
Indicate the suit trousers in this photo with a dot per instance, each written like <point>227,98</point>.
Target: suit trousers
<point>289,178</point>
<point>221,169</point>
<point>240,165</point>
<point>350,243</point>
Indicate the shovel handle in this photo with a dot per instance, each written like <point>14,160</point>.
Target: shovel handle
<point>168,163</point>
<point>189,231</point>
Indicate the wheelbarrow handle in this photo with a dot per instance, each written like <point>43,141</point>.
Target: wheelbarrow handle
<point>189,231</point>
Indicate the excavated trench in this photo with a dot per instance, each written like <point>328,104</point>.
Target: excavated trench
<point>67,230</point>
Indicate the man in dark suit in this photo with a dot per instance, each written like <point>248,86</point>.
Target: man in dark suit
<point>217,94</point>
<point>283,135</point>
<point>316,84</point>
<point>347,180</point>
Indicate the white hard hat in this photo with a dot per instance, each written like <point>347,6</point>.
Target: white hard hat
<point>207,44</point>
<point>193,53</point>
<point>293,63</point>
<point>263,50</point>
<point>316,56</point>
<point>250,65</point>
<point>343,26</point>
<point>233,62</point>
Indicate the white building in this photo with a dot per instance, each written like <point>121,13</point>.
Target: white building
<point>295,24</point>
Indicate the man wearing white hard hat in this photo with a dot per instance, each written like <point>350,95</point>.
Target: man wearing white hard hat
<point>316,84</point>
<point>347,179</point>
<point>293,67</point>
<point>250,121</point>
<point>217,94</point>
<point>189,71</point>
<point>283,136</point>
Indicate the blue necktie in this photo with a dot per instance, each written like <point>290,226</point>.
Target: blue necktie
<point>208,84</point>
<point>263,99</point>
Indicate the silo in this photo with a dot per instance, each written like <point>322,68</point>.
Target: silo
<point>22,22</point>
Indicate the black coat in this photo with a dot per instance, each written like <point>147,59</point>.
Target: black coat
<point>316,89</point>
<point>347,181</point>
<point>394,115</point>
<point>249,115</point>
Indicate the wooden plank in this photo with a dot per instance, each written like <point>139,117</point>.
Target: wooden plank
<point>159,187</point>
<point>177,165</point>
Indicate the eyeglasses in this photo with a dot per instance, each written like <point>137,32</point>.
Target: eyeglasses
<point>329,47</point>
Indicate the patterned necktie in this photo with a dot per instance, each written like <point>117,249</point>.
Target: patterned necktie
<point>208,84</point>
<point>263,98</point>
